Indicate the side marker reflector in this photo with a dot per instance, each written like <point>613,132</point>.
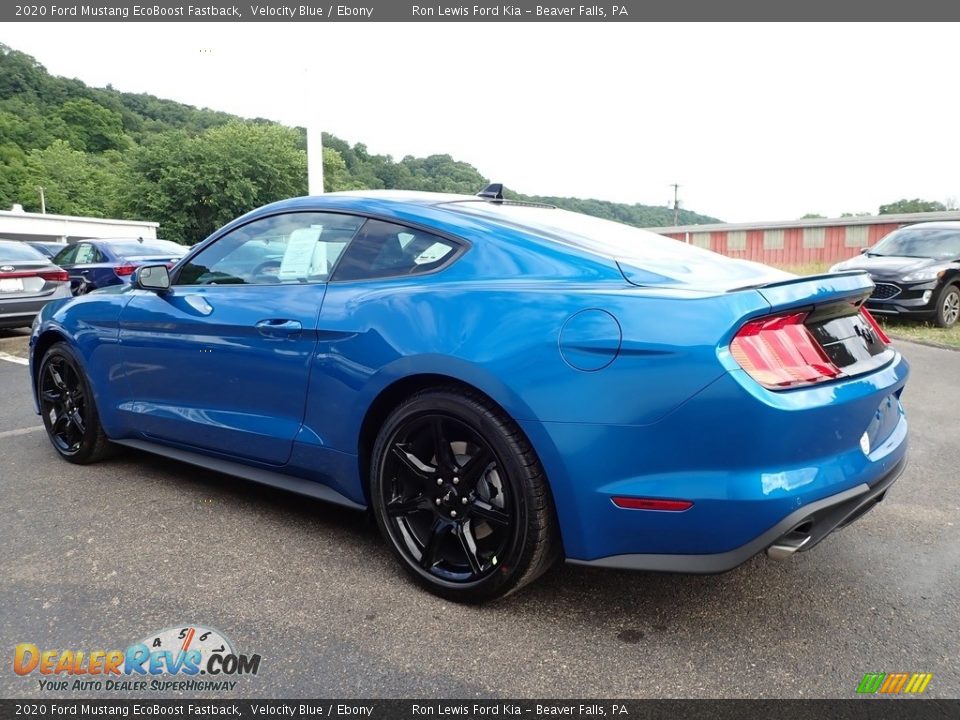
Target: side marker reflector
<point>635,503</point>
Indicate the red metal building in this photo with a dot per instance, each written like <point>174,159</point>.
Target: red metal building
<point>798,242</point>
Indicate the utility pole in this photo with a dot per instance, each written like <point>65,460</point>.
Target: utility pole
<point>676,203</point>
<point>43,200</point>
<point>314,157</point>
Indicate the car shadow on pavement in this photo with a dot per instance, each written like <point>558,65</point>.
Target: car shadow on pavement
<point>593,595</point>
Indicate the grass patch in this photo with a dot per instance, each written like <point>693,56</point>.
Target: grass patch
<point>806,268</point>
<point>921,331</point>
<point>894,327</point>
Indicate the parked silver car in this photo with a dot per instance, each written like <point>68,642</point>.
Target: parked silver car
<point>28,281</point>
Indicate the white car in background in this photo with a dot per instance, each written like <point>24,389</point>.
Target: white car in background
<point>28,281</point>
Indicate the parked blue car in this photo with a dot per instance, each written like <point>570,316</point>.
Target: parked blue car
<point>95,264</point>
<point>502,384</point>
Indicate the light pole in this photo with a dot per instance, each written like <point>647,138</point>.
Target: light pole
<point>314,139</point>
<point>43,200</point>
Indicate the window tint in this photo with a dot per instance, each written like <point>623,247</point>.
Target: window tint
<point>920,242</point>
<point>136,248</point>
<point>382,249</point>
<point>290,248</point>
<point>66,256</point>
<point>15,251</point>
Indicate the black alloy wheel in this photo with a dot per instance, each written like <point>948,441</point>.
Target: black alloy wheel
<point>461,498</point>
<point>68,409</point>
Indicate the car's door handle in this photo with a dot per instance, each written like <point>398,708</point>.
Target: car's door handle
<point>277,327</point>
<point>84,272</point>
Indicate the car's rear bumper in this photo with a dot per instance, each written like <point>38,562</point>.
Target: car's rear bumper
<point>20,312</point>
<point>811,522</point>
<point>749,460</point>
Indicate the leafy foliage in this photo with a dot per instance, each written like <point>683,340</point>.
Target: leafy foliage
<point>197,183</point>
<point>74,182</point>
<point>911,206</point>
<point>98,151</point>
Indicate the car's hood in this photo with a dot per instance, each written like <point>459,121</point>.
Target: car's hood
<point>888,266</point>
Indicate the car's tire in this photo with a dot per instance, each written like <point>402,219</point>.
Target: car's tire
<point>474,522</point>
<point>948,307</point>
<point>68,409</point>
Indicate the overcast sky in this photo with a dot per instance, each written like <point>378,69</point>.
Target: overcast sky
<point>754,121</point>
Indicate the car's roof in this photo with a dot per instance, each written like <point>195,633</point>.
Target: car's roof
<point>940,224</point>
<point>409,197</point>
<point>123,239</point>
<point>398,199</point>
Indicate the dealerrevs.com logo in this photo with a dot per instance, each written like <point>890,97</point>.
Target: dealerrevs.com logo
<point>170,660</point>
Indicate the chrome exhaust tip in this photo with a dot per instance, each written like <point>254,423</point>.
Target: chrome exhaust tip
<point>786,546</point>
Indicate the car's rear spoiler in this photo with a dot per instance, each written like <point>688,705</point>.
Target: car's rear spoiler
<point>817,289</point>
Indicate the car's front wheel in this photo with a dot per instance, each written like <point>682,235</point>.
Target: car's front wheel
<point>461,497</point>
<point>948,307</point>
<point>68,409</point>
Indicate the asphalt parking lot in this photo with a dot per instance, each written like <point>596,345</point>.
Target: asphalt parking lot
<point>99,557</point>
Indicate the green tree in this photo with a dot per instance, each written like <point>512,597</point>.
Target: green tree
<point>192,185</point>
<point>12,174</point>
<point>74,182</point>
<point>93,127</point>
<point>911,206</point>
<point>335,173</point>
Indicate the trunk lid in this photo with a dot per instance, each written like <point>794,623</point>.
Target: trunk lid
<point>22,279</point>
<point>835,318</point>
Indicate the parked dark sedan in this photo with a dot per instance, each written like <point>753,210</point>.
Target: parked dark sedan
<point>50,249</point>
<point>916,270</point>
<point>28,281</point>
<point>96,264</point>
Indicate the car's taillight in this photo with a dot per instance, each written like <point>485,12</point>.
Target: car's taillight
<point>124,270</point>
<point>780,352</point>
<point>876,326</point>
<point>54,275</point>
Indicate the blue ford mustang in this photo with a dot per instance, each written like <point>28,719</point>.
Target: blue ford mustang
<point>502,384</point>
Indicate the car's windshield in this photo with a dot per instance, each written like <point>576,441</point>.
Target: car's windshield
<point>18,252</point>
<point>134,248</point>
<point>920,242</point>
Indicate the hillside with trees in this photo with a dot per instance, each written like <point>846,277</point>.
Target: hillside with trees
<point>99,151</point>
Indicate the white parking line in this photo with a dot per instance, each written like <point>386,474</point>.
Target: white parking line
<point>14,359</point>
<point>21,431</point>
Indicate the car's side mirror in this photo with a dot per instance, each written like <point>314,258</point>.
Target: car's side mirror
<point>155,278</point>
<point>864,251</point>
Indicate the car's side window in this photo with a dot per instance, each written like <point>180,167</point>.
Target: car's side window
<point>86,253</point>
<point>382,249</point>
<point>288,248</point>
<point>66,256</point>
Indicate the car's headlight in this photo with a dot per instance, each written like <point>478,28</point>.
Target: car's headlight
<point>933,273</point>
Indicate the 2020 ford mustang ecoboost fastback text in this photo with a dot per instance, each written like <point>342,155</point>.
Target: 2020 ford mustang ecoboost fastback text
<point>502,384</point>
